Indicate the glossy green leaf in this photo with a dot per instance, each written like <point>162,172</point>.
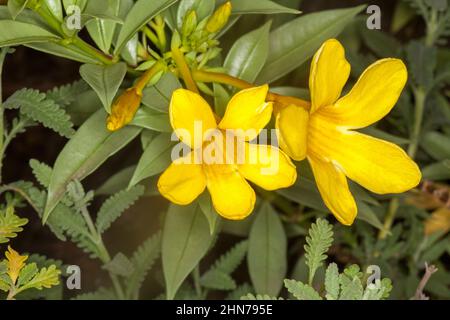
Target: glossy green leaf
<point>150,119</point>
<point>249,54</point>
<point>436,145</point>
<point>91,145</point>
<point>156,158</point>
<point>14,33</point>
<point>205,203</point>
<point>295,42</point>
<point>267,257</point>
<point>105,80</point>
<point>437,171</point>
<point>79,3</point>
<point>55,7</point>
<point>141,13</point>
<point>101,30</point>
<point>185,240</point>
<point>69,52</point>
<point>15,7</point>
<point>260,7</point>
<point>158,96</point>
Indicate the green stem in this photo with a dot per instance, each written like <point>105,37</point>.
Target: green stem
<point>87,48</point>
<point>420,98</point>
<point>196,277</point>
<point>3,53</point>
<point>389,219</point>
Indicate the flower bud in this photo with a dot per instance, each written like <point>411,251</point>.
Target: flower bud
<point>219,18</point>
<point>189,24</point>
<point>124,109</point>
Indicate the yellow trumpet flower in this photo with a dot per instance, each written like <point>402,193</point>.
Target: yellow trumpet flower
<point>325,134</point>
<point>232,196</point>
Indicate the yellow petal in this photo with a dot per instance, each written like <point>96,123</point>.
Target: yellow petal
<point>292,124</point>
<point>232,196</point>
<point>124,109</point>
<point>378,165</point>
<point>329,73</point>
<point>15,263</point>
<point>188,110</point>
<point>372,97</point>
<point>334,190</point>
<point>268,167</point>
<point>247,111</point>
<point>182,183</point>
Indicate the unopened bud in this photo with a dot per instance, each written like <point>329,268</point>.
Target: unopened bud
<point>219,18</point>
<point>189,24</point>
<point>124,109</point>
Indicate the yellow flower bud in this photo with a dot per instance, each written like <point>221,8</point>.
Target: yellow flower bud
<point>189,24</point>
<point>219,18</point>
<point>124,109</point>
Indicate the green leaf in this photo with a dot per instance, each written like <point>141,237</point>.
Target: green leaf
<point>67,94</point>
<point>156,158</point>
<point>264,297</point>
<point>301,291</point>
<point>332,282</point>
<point>267,261</point>
<point>158,96</point>
<point>100,294</point>
<point>221,99</point>
<point>119,265</point>
<point>239,292</point>
<point>217,280</point>
<point>55,8</point>
<point>141,13</point>
<point>27,273</point>
<point>102,30</point>
<point>35,105</point>
<point>15,7</point>
<point>185,241</point>
<point>117,182</point>
<point>422,63</point>
<point>91,145</point>
<point>114,206</point>
<point>317,243</point>
<point>436,145</point>
<point>143,259</point>
<point>153,120</point>
<point>260,7</point>
<point>68,52</point>
<point>105,80</point>
<point>41,172</point>
<point>351,290</point>
<point>15,33</point>
<point>205,203</point>
<point>79,3</point>
<point>296,41</point>
<point>45,278</point>
<point>248,54</point>
<point>437,171</point>
<point>10,224</point>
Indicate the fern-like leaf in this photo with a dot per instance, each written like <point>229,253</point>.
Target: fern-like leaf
<point>36,106</point>
<point>10,224</point>
<point>318,242</point>
<point>301,291</point>
<point>332,282</point>
<point>66,94</point>
<point>100,294</point>
<point>45,278</point>
<point>142,261</point>
<point>240,291</point>
<point>42,172</point>
<point>114,206</point>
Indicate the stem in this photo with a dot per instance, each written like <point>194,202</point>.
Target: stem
<point>196,277</point>
<point>6,139</point>
<point>185,72</point>
<point>205,76</point>
<point>389,219</point>
<point>3,53</point>
<point>432,26</point>
<point>420,97</point>
<point>148,76</point>
<point>22,193</point>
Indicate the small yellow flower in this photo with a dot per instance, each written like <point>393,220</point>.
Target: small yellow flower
<point>325,134</point>
<point>231,194</point>
<point>219,18</point>
<point>15,263</point>
<point>124,109</point>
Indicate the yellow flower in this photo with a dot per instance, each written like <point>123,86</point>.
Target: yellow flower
<point>232,196</point>
<point>124,109</point>
<point>15,263</point>
<point>325,134</point>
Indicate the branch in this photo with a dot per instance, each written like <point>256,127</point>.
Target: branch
<point>429,270</point>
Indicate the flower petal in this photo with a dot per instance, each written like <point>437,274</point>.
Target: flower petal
<point>183,181</point>
<point>378,165</point>
<point>329,73</point>
<point>268,167</point>
<point>232,196</point>
<point>334,190</point>
<point>187,109</point>
<point>292,124</point>
<point>248,111</point>
<point>372,97</point>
